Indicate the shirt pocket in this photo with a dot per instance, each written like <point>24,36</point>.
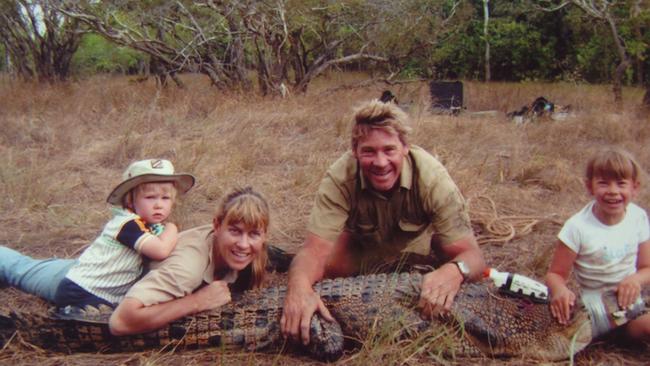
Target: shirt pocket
<point>412,227</point>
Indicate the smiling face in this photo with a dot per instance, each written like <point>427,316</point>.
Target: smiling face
<point>237,245</point>
<point>153,201</point>
<point>381,156</point>
<point>612,197</point>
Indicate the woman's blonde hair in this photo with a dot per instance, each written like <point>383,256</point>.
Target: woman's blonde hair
<point>248,207</point>
<point>613,163</point>
<point>378,115</point>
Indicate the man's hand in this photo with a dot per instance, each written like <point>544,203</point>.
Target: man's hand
<point>299,306</point>
<point>211,296</point>
<point>562,300</point>
<point>439,288</point>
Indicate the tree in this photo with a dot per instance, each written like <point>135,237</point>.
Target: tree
<point>288,42</point>
<point>486,12</point>
<point>614,14</point>
<point>38,39</point>
<point>523,44</point>
<point>178,36</point>
<point>97,55</point>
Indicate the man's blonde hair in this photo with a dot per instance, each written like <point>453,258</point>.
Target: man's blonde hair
<point>249,208</point>
<point>383,116</point>
<point>613,163</point>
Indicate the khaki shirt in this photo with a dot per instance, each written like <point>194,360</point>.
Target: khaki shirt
<point>427,202</point>
<point>189,265</point>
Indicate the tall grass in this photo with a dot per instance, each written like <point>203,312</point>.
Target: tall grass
<point>64,147</point>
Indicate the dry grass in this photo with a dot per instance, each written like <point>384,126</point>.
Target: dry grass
<point>64,147</point>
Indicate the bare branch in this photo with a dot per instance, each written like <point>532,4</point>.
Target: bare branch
<point>550,7</point>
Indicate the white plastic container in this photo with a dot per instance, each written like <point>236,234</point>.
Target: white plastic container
<point>518,285</point>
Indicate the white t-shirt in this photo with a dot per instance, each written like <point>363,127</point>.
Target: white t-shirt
<point>606,253</point>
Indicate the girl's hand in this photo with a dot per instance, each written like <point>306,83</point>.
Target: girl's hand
<point>628,291</point>
<point>562,300</point>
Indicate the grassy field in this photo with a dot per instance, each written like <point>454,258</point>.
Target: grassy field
<point>64,147</point>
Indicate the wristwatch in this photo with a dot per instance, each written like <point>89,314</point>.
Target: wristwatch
<point>463,268</point>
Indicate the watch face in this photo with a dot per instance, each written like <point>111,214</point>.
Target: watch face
<point>464,270</point>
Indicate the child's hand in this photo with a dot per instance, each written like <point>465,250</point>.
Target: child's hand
<point>562,300</point>
<point>628,291</point>
<point>160,247</point>
<point>157,229</point>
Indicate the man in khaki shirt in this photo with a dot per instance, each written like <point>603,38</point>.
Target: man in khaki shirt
<point>378,201</point>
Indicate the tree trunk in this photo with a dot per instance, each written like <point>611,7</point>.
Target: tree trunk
<point>645,104</point>
<point>638,35</point>
<point>486,13</point>
<point>617,82</point>
<point>236,52</point>
<point>39,40</point>
<point>622,65</point>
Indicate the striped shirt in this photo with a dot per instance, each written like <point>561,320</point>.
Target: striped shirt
<point>113,263</point>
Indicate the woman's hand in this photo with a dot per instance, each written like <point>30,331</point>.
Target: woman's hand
<point>562,301</point>
<point>211,296</point>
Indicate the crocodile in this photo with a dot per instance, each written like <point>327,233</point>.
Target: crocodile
<point>491,323</point>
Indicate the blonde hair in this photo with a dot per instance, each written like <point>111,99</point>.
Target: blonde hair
<point>248,207</point>
<point>129,197</point>
<point>378,115</point>
<point>613,163</point>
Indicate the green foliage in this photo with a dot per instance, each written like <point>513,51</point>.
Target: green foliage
<point>592,63</point>
<point>97,55</point>
<point>524,44</point>
<point>593,49</point>
<point>519,52</point>
<point>3,58</point>
<point>458,57</point>
<point>289,40</point>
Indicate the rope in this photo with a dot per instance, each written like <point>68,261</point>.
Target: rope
<point>501,229</point>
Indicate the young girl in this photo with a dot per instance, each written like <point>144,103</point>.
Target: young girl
<point>114,261</point>
<point>607,243</point>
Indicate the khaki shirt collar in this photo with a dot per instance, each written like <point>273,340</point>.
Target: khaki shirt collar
<point>208,275</point>
<point>405,178</point>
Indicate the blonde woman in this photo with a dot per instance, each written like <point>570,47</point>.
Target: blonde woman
<point>196,275</point>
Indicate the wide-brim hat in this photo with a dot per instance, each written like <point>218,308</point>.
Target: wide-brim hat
<point>149,171</point>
